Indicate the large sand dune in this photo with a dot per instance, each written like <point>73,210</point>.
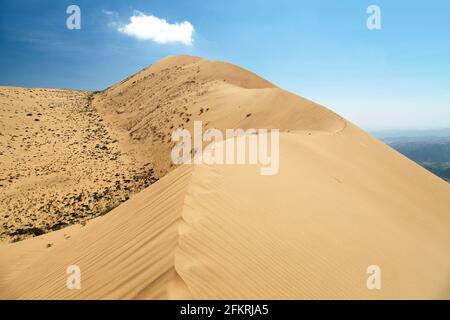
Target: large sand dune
<point>341,201</point>
<point>147,107</point>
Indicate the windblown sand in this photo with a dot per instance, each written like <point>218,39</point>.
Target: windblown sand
<point>342,200</point>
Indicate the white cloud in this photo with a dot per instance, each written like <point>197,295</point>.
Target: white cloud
<point>110,13</point>
<point>145,27</point>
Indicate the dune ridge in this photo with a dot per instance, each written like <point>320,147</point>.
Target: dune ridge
<point>113,252</point>
<point>342,201</point>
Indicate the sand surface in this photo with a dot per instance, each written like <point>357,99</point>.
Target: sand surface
<point>342,201</point>
<point>60,163</point>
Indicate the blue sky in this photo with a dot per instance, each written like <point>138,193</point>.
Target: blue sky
<point>394,78</point>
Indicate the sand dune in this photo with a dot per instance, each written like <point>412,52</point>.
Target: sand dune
<point>176,91</point>
<point>341,201</point>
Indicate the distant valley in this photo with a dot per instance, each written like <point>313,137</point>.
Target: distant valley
<point>430,148</point>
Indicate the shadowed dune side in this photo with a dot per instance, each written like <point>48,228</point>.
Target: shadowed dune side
<point>311,231</point>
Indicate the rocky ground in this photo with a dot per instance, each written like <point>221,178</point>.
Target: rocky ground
<point>60,163</point>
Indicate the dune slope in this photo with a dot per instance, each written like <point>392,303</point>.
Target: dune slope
<point>211,232</point>
<point>341,202</point>
<point>60,163</point>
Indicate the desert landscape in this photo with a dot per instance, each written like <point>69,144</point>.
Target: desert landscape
<point>86,179</point>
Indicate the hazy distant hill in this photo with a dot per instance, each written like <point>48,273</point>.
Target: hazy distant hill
<point>391,136</point>
<point>430,148</point>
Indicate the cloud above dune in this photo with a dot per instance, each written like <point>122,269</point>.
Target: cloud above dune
<point>149,27</point>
